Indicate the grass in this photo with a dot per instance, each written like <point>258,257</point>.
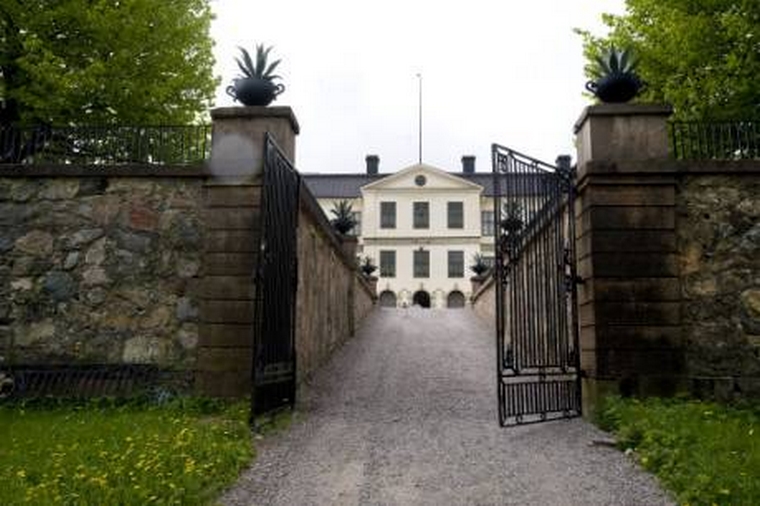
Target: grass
<point>704,453</point>
<point>99,453</point>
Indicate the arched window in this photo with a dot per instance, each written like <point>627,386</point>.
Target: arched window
<point>421,298</point>
<point>455,299</point>
<point>387,299</point>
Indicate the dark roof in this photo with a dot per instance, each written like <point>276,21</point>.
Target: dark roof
<point>341,186</point>
<point>347,186</point>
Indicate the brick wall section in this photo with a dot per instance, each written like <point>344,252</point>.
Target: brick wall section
<point>332,297</point>
<point>231,219</point>
<point>100,265</point>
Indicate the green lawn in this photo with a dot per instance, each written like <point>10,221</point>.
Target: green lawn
<point>99,453</point>
<point>705,453</point>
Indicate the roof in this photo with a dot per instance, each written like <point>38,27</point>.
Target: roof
<point>348,186</point>
<point>340,186</point>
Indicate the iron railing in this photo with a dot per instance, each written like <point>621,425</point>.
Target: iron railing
<point>734,140</point>
<point>106,145</point>
<point>77,381</point>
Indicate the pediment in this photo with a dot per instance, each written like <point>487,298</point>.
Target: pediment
<point>434,179</point>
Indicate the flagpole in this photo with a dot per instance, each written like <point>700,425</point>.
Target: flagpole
<point>419,78</point>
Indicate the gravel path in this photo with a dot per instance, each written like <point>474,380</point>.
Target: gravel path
<point>405,414</point>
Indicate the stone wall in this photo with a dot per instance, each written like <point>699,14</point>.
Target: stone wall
<point>100,268</point>
<point>484,302</point>
<point>669,254</point>
<point>718,224</point>
<point>332,297</point>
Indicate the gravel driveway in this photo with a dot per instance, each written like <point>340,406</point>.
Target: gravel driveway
<point>405,414</point>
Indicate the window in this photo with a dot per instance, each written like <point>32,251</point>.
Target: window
<point>486,223</point>
<point>421,264</point>
<point>387,215</point>
<point>455,212</point>
<point>421,215</point>
<point>357,230</point>
<point>456,264</point>
<point>387,264</point>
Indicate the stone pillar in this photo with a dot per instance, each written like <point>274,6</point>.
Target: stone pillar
<point>629,305</point>
<point>232,221</point>
<point>237,146</point>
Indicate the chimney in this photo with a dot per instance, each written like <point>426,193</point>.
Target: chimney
<point>468,164</point>
<point>373,163</point>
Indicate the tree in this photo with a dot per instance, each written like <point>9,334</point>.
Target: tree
<point>84,62</point>
<point>701,56</point>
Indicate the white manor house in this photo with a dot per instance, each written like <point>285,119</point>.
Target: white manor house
<point>422,227</point>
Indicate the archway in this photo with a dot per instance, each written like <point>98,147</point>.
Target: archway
<point>455,299</point>
<point>387,299</point>
<point>421,298</point>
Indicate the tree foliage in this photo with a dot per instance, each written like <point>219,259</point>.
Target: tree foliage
<point>701,56</point>
<point>105,61</point>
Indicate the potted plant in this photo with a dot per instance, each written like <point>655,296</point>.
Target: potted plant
<point>256,84</point>
<point>343,220</point>
<point>368,266</point>
<point>616,79</point>
<point>479,265</point>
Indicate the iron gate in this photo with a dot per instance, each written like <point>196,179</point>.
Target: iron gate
<point>274,358</point>
<point>536,330</point>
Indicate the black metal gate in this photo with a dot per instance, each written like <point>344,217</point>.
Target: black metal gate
<point>274,357</point>
<point>536,330</point>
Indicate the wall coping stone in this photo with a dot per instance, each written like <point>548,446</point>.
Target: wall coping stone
<point>489,280</point>
<point>257,112</point>
<point>136,170</point>
<point>622,110</point>
<point>659,166</point>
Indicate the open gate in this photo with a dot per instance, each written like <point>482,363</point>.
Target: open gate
<point>536,330</point>
<point>274,357</point>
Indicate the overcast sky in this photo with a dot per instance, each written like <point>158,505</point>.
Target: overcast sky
<point>509,72</point>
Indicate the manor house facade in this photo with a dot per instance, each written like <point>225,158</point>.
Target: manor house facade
<point>422,227</point>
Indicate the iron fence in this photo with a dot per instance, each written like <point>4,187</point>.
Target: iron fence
<point>106,145</point>
<point>77,381</point>
<point>734,140</point>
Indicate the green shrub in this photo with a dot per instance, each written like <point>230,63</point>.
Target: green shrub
<point>705,453</point>
<point>98,452</point>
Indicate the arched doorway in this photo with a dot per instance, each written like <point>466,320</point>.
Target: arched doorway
<point>387,299</point>
<point>421,298</point>
<point>455,299</point>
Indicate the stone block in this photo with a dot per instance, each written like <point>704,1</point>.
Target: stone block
<point>227,311</point>
<point>146,350</point>
<point>227,287</point>
<point>232,241</point>
<point>637,313</point>
<point>226,335</point>
<point>232,218</point>
<point>638,195</point>
<point>634,265</point>
<point>223,384</point>
<point>631,241</point>
<point>635,337</point>
<point>634,363</point>
<point>626,218</point>
<point>630,290</point>
<point>229,264</point>
<point>36,243</point>
<point>224,360</point>
<point>233,196</point>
